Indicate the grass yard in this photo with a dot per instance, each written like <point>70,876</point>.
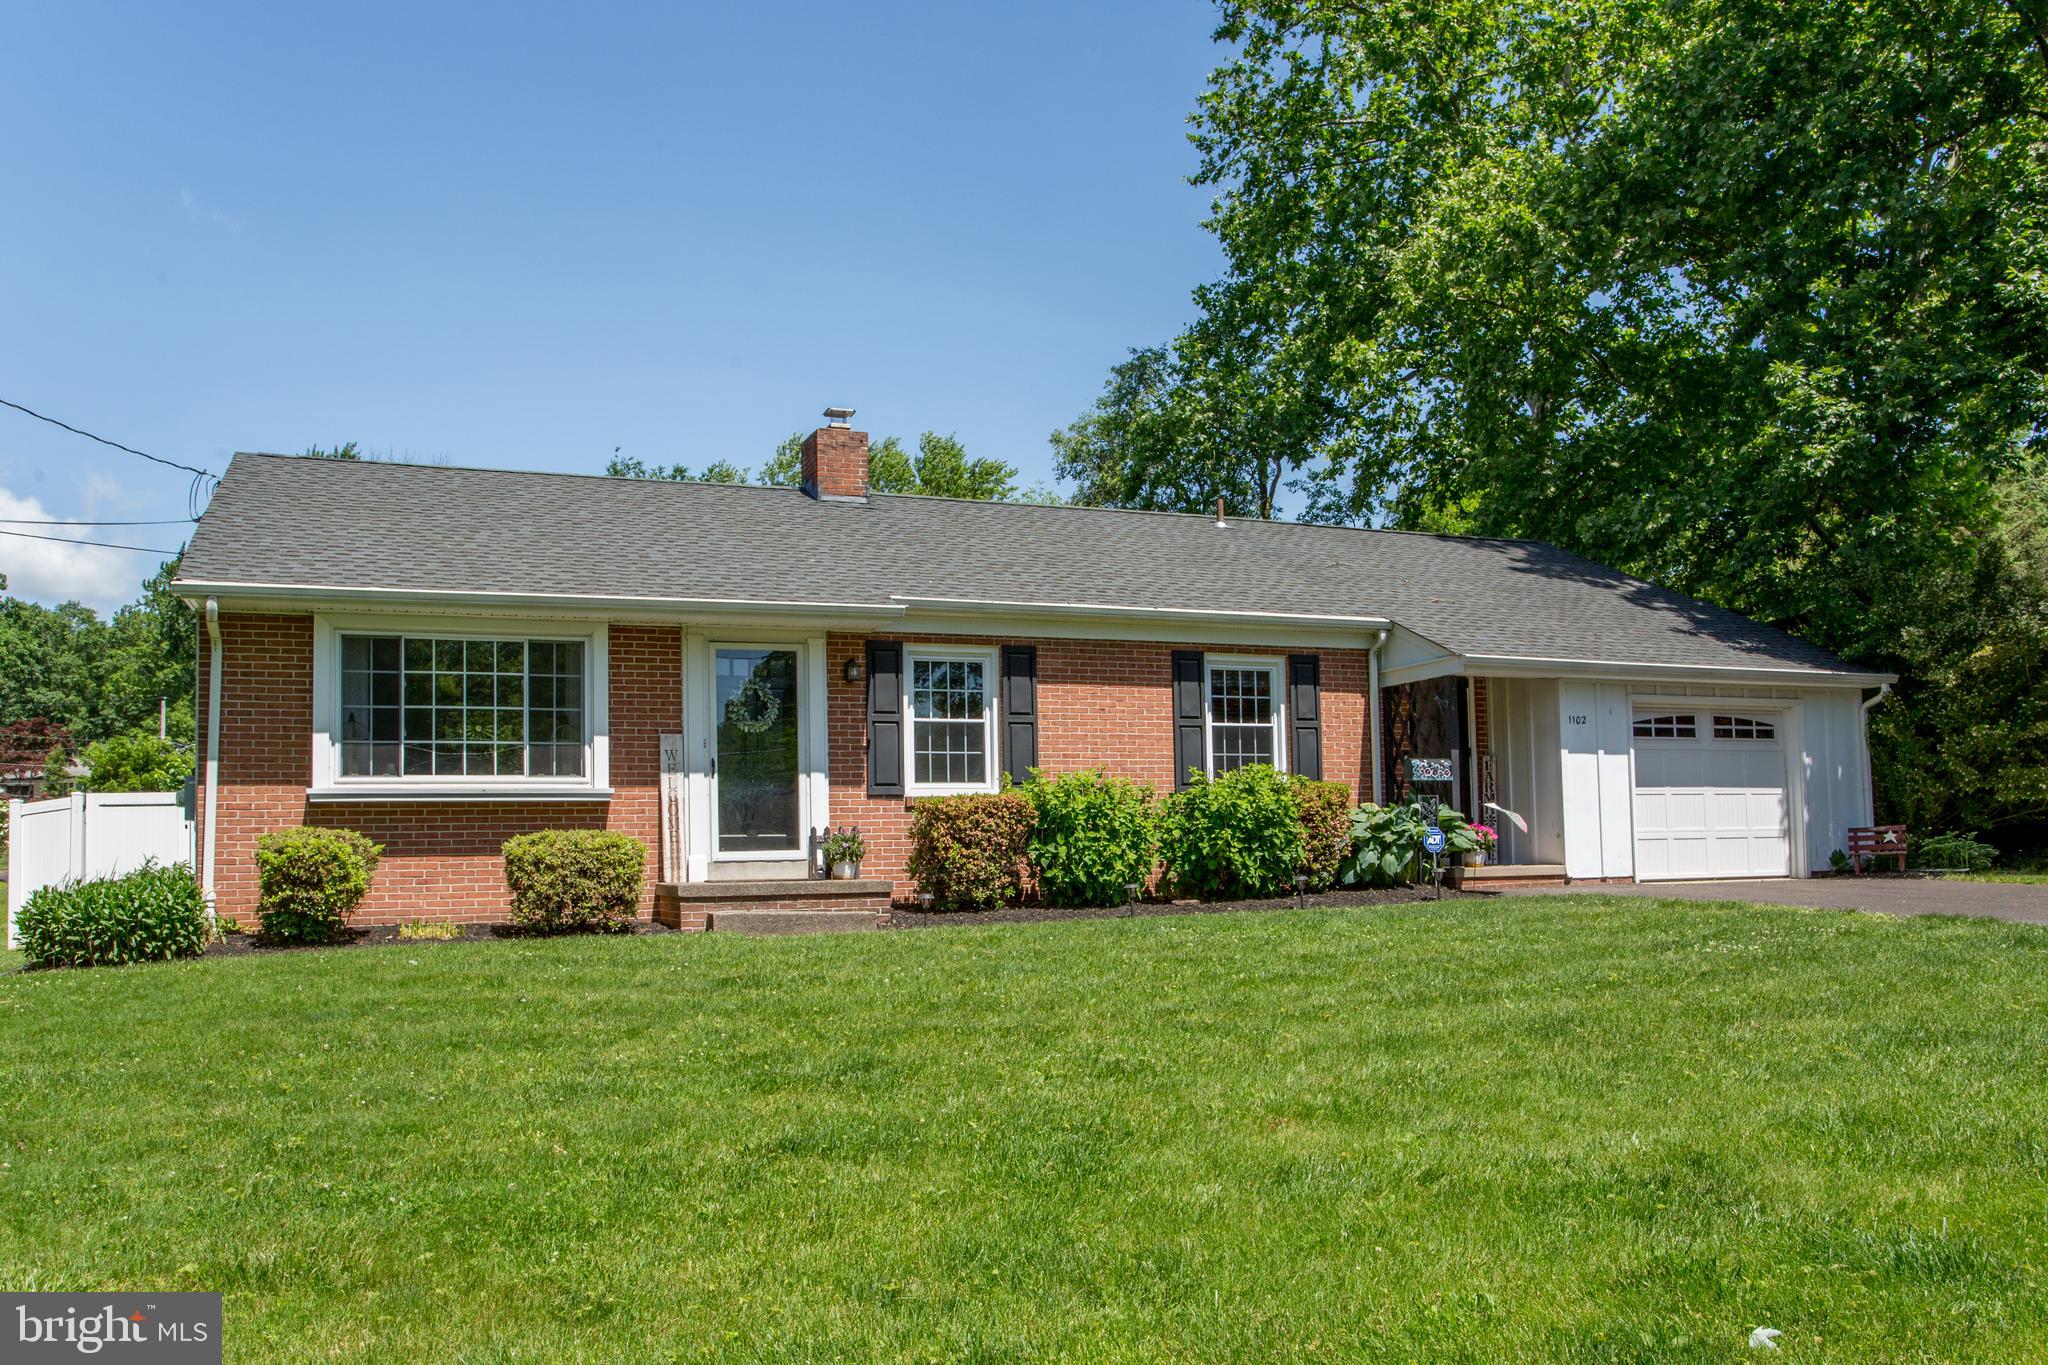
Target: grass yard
<point>1557,1128</point>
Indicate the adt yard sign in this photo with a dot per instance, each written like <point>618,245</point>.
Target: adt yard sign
<point>1433,840</point>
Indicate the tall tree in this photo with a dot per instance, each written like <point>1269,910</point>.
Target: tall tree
<point>97,678</point>
<point>1747,296</point>
<point>1163,436</point>
<point>718,471</point>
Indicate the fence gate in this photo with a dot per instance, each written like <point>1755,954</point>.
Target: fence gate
<point>89,834</point>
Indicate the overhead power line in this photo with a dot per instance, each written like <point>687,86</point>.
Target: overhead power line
<point>204,481</point>
<point>97,544</point>
<point>157,459</point>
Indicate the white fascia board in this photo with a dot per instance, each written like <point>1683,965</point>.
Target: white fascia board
<point>1110,611</point>
<point>1616,670</point>
<point>306,597</point>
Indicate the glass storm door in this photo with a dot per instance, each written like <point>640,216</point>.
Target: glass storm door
<point>755,770</point>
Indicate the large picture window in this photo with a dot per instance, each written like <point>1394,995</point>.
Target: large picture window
<point>421,706</point>
<point>951,704</point>
<point>1244,714</point>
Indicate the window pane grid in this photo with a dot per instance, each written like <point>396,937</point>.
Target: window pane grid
<point>1241,716</point>
<point>421,707</point>
<point>1666,727</point>
<point>949,722</point>
<point>1743,727</point>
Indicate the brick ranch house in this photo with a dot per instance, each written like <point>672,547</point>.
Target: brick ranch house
<point>445,657</point>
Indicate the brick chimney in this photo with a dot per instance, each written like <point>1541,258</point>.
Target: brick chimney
<point>835,461</point>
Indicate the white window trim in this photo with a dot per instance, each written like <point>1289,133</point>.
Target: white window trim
<point>991,708</point>
<point>328,783</point>
<point>1273,665</point>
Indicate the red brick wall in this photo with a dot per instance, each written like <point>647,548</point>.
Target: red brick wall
<point>441,859</point>
<point>1101,703</point>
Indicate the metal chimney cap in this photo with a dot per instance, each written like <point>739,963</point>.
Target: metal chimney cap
<point>838,416</point>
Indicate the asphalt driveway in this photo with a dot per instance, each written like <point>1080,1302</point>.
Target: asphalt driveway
<point>2013,901</point>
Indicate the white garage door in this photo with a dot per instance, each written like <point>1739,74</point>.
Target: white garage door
<point>1710,795</point>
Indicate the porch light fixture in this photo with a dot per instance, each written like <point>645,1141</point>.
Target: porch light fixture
<point>854,670</point>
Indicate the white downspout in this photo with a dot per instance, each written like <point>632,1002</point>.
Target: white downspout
<point>212,747</point>
<point>1372,719</point>
<point>1869,775</point>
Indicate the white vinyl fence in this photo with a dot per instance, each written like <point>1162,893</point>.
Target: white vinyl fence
<point>89,834</point>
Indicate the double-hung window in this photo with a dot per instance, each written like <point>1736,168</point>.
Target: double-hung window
<point>1244,713</point>
<point>950,698</point>
<point>441,707</point>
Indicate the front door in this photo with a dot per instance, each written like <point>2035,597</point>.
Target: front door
<point>757,804</point>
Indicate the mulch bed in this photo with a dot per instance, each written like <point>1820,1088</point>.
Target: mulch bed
<point>1038,914</point>
<point>386,935</point>
<point>383,935</point>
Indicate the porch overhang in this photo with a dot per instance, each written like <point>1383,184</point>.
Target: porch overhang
<point>1450,665</point>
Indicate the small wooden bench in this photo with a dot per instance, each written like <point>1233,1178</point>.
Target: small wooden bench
<point>1877,841</point>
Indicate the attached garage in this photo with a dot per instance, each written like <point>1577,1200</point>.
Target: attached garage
<point>1710,795</point>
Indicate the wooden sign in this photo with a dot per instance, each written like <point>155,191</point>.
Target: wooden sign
<point>1431,770</point>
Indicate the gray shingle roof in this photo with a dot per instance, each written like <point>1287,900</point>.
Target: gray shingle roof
<point>283,521</point>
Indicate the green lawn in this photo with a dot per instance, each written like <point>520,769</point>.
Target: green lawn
<point>1541,1129</point>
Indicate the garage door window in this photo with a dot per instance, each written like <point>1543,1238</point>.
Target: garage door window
<point>1666,727</point>
<point>1743,727</point>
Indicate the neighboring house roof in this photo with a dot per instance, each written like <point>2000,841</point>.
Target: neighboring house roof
<point>283,523</point>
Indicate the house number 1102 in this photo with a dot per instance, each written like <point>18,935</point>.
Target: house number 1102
<point>1575,720</point>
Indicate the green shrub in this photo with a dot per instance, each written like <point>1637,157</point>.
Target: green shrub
<point>1233,836</point>
<point>1386,843</point>
<point>1950,852</point>
<point>151,914</point>
<point>1325,829</point>
<point>567,881</point>
<point>1092,838</point>
<point>967,852</point>
<point>137,762</point>
<point>309,880</point>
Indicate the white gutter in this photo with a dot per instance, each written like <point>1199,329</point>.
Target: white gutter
<point>323,592</point>
<point>985,606</point>
<point>1863,729</point>
<point>1372,719</point>
<point>212,748</point>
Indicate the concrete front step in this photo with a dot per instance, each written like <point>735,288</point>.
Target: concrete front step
<point>793,921</point>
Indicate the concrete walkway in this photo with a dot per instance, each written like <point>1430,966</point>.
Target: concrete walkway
<point>2021,904</point>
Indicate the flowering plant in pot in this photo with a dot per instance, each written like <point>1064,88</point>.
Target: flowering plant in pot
<point>1488,841</point>
<point>844,849</point>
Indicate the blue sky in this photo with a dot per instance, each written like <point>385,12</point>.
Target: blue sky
<point>525,236</point>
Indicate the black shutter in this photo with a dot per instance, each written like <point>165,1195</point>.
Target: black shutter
<point>1305,713</point>
<point>1020,711</point>
<point>885,718</point>
<point>1190,750</point>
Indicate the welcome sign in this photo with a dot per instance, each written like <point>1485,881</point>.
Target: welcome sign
<point>1431,770</point>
